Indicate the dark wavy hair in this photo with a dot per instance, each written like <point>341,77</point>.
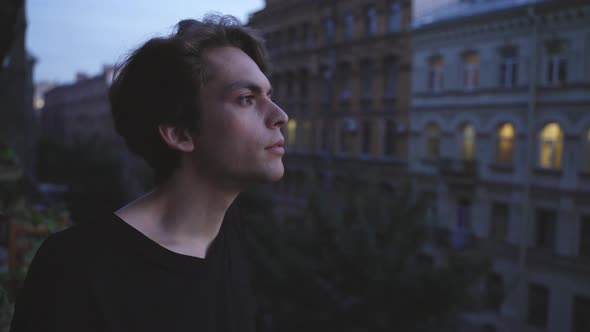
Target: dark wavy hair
<point>160,83</point>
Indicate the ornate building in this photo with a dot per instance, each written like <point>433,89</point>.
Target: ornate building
<point>341,71</point>
<point>500,138</point>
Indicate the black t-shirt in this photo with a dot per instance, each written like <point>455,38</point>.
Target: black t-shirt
<point>111,277</point>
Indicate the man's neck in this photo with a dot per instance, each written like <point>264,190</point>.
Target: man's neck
<point>184,214</point>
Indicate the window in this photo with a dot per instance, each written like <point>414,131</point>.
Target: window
<point>505,144</point>
<point>551,146</point>
<point>366,79</point>
<point>436,78</point>
<point>587,154</point>
<point>345,88</point>
<point>556,63</point>
<point>329,29</point>
<point>499,221</point>
<point>291,38</point>
<point>303,84</point>
<point>307,37</point>
<point>371,21</point>
<point>348,27</point>
<point>390,138</point>
<point>584,247</point>
<point>327,84</point>
<point>431,208</point>
<point>366,136</point>
<point>394,16</point>
<point>292,132</point>
<point>307,135</point>
<point>538,302</point>
<point>327,136</point>
<point>432,142</point>
<point>390,78</point>
<point>508,67</point>
<point>468,143</point>
<point>462,224</point>
<point>545,221</point>
<point>494,295</point>
<point>581,314</point>
<point>348,136</point>
<point>470,71</point>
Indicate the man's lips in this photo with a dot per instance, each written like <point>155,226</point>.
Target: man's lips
<point>277,147</point>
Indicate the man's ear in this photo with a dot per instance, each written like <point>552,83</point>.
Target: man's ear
<point>177,138</point>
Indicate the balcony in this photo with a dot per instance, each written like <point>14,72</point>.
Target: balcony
<point>448,167</point>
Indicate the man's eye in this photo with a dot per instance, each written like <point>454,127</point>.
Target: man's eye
<point>246,100</point>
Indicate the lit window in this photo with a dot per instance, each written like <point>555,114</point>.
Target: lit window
<point>436,77</point>
<point>432,142</point>
<point>551,146</point>
<point>292,132</point>
<point>505,144</point>
<point>471,71</point>
<point>556,63</point>
<point>468,147</point>
<point>371,21</point>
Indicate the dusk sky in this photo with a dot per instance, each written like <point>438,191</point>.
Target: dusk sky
<point>69,36</point>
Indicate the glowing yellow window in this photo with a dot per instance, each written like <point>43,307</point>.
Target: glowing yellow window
<point>505,145</point>
<point>551,146</point>
<point>468,151</point>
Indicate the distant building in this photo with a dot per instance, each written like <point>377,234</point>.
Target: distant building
<point>500,139</point>
<point>341,71</point>
<point>79,113</point>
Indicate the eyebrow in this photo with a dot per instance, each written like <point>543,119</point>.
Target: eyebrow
<point>245,84</point>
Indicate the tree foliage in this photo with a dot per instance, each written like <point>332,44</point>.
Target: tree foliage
<point>351,262</point>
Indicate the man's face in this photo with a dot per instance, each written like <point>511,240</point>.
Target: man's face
<point>239,140</point>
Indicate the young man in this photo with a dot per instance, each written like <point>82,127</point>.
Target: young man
<point>196,106</point>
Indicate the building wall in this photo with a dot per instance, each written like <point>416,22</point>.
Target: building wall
<point>485,181</point>
<point>309,79</point>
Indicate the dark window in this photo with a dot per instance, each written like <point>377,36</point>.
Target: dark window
<point>366,146</point>
<point>545,222</point>
<point>499,221</point>
<point>494,291</point>
<point>371,21</point>
<point>327,136</point>
<point>366,80</point>
<point>390,138</point>
<point>585,236</point>
<point>348,27</point>
<point>394,16</point>
<point>390,78</point>
<point>538,303</point>
<point>329,26</point>
<point>581,314</point>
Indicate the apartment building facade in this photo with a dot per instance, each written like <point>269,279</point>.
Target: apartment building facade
<point>341,71</point>
<point>500,140</point>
